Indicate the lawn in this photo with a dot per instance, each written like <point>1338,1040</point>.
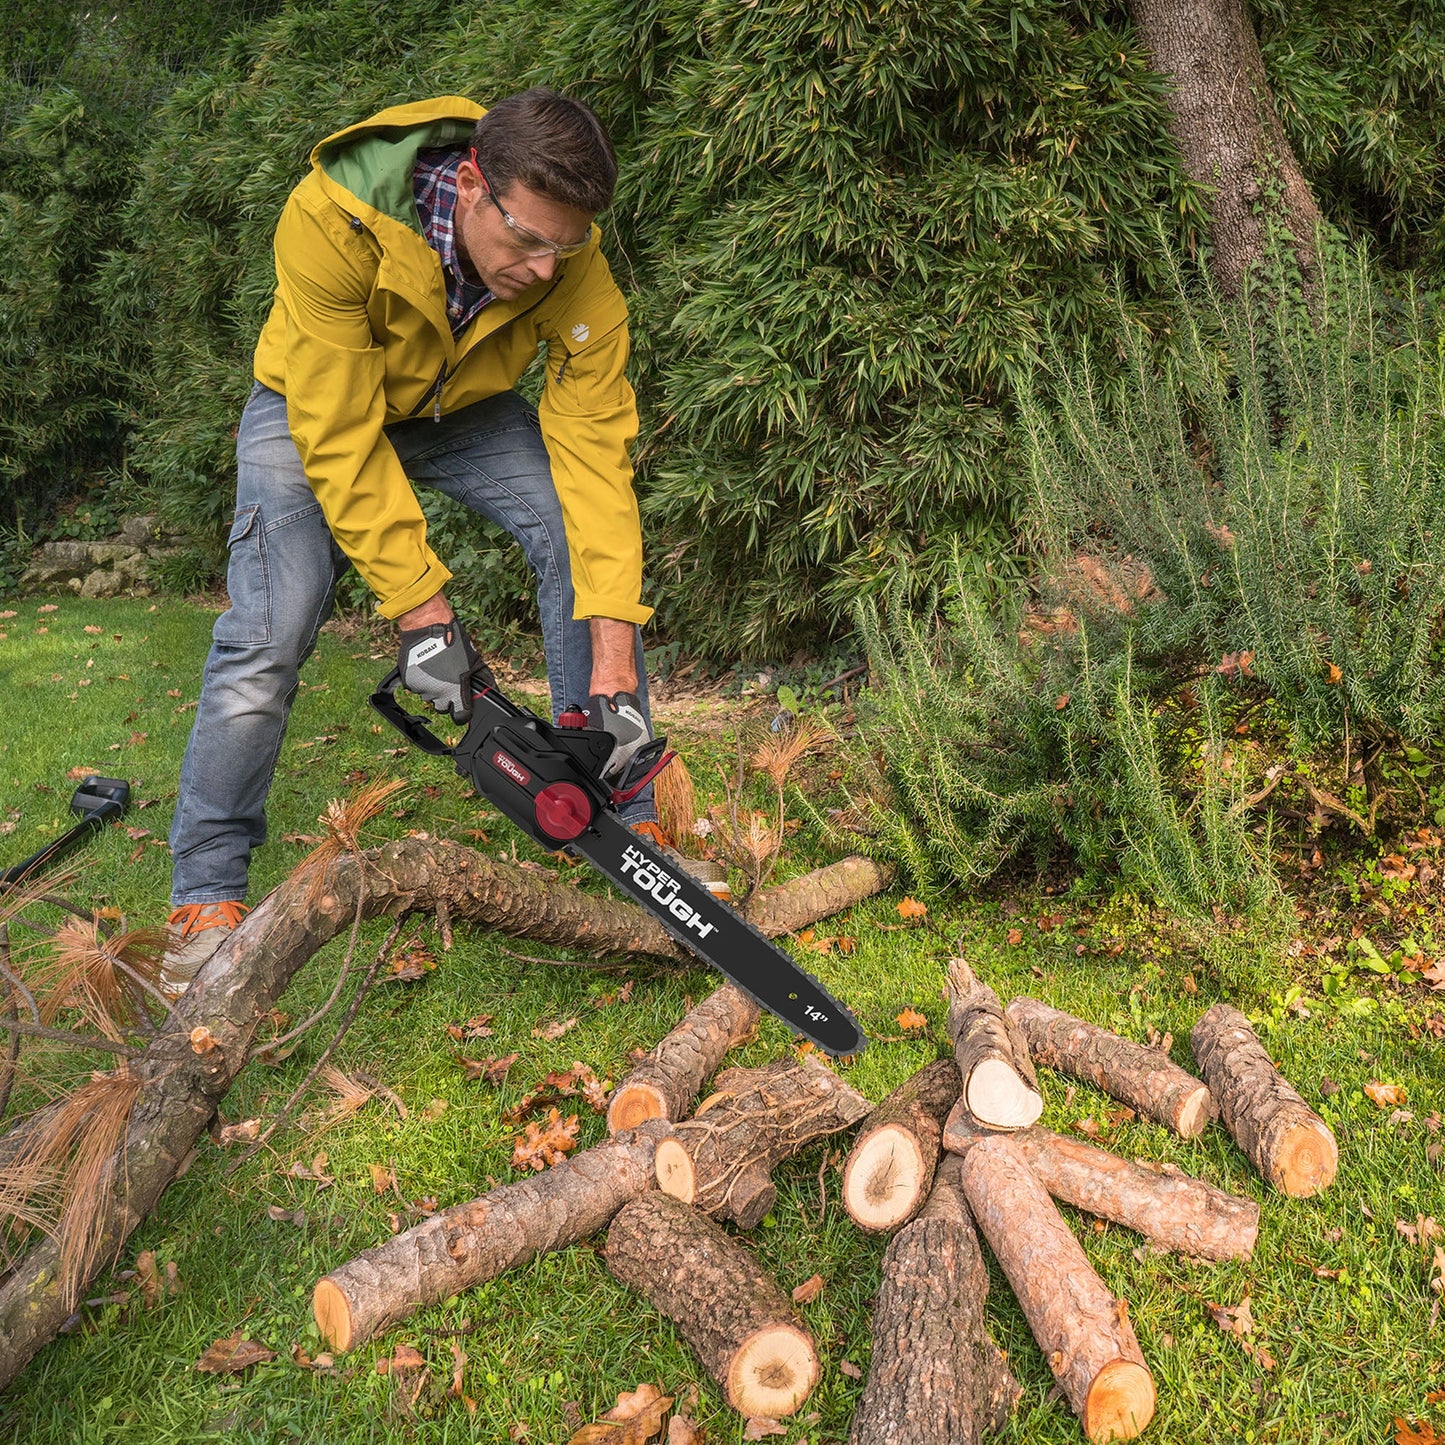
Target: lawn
<point>1342,1301</point>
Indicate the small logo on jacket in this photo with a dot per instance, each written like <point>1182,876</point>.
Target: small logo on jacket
<point>581,331</point>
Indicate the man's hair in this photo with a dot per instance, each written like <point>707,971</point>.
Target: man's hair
<point>551,144</point>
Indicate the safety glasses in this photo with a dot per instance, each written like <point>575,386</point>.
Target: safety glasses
<point>527,241</point>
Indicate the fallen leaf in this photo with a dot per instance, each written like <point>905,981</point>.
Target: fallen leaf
<point>233,1355</point>
<point>434,1110</point>
<point>554,1030</point>
<point>148,1277</point>
<point>1384,1096</point>
<point>912,908</point>
<point>546,1143</point>
<point>759,1427</point>
<point>850,1369</point>
<point>1335,674</point>
<point>809,1290</point>
<point>1061,702</point>
<point>241,1133</point>
<point>317,1172</point>
<point>633,1420</point>
<point>1236,1320</point>
<point>489,1071</point>
<point>910,1018</point>
<point>1421,1432</point>
<point>681,1431</point>
<point>402,1359</point>
<point>1015,936</point>
<point>382,1178</point>
<point>474,1028</point>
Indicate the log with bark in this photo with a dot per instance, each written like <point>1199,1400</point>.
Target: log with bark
<point>1000,1087</point>
<point>1170,1208</point>
<point>1286,1141</point>
<point>665,1082</point>
<point>730,1311</point>
<point>722,1159</point>
<point>1145,1079</point>
<point>936,1377</point>
<point>1082,1329</point>
<point>476,1241</point>
<point>889,1169</point>
<point>184,1079</point>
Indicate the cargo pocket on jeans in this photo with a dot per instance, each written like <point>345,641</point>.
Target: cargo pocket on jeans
<point>247,621</point>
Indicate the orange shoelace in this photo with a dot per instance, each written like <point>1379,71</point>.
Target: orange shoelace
<point>191,917</point>
<point>653,833</point>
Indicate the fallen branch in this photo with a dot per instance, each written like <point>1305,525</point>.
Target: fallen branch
<point>1145,1079</point>
<point>191,1062</point>
<point>1171,1209</point>
<point>476,1241</point>
<point>1000,1087</point>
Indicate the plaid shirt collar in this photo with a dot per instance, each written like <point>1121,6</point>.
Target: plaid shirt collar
<point>434,188</point>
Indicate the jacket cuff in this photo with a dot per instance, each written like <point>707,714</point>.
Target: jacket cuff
<point>593,604</point>
<point>426,586</point>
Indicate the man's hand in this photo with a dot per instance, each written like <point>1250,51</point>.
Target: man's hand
<point>436,662</point>
<point>621,715</point>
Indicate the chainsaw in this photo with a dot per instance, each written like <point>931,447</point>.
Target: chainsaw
<point>547,779</point>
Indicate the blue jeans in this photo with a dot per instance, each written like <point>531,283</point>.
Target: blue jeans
<point>284,567</point>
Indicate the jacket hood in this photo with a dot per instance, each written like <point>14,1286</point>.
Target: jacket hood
<point>374,159</point>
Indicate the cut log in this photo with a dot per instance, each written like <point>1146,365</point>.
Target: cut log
<point>889,1170</point>
<point>999,1083</point>
<point>667,1080</point>
<point>182,1087</point>
<point>936,1377</point>
<point>730,1311</point>
<point>1172,1209</point>
<point>1082,1329</point>
<point>469,1243</point>
<point>722,1159</point>
<point>1145,1079</point>
<point>1286,1141</point>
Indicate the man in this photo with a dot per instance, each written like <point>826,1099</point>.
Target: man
<point>419,266</point>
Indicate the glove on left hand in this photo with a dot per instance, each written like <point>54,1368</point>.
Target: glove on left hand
<point>435,663</point>
<point>622,716</point>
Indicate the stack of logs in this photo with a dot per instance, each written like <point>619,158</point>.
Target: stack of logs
<point>662,1182</point>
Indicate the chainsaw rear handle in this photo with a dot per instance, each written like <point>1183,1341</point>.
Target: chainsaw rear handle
<point>414,728</point>
<point>97,800</point>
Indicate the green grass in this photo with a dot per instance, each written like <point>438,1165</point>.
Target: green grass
<point>1353,1350</point>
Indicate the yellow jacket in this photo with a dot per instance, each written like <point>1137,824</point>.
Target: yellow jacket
<point>358,338</point>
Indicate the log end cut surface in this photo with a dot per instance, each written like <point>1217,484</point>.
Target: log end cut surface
<point>883,1183</point>
<point>635,1104</point>
<point>1120,1403</point>
<point>333,1315</point>
<point>773,1372</point>
<point>1308,1159</point>
<point>675,1172</point>
<point>997,1096</point>
<point>1196,1113</point>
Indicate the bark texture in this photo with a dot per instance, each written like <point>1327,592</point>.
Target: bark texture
<point>476,1241</point>
<point>936,1377</point>
<point>182,1086</point>
<point>1286,1141</point>
<point>1171,1209</point>
<point>1000,1086</point>
<point>1228,131</point>
<point>889,1170</point>
<point>667,1080</point>
<point>1145,1079</point>
<point>722,1159</point>
<point>1082,1329</point>
<point>731,1312</point>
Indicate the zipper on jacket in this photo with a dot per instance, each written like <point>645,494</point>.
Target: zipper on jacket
<point>435,394</point>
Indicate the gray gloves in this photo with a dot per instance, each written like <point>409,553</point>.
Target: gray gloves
<point>435,663</point>
<point>622,716</point>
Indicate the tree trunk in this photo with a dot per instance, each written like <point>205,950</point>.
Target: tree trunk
<point>1228,132</point>
<point>936,1377</point>
<point>476,1241</point>
<point>1145,1079</point>
<point>1168,1207</point>
<point>183,1084</point>
<point>722,1158</point>
<point>1082,1329</point>
<point>1000,1087</point>
<point>890,1167</point>
<point>1286,1141</point>
<point>733,1315</point>
<point>667,1080</point>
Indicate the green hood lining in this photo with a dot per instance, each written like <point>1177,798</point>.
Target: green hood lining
<point>376,167</point>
